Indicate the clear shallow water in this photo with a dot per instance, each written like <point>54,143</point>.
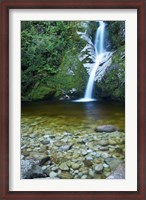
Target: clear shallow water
<point>72,116</point>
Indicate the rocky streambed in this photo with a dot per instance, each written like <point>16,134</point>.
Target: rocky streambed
<point>98,154</point>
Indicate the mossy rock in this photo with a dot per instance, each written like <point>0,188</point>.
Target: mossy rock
<point>112,85</point>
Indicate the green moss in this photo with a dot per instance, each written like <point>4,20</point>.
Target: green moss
<point>112,86</point>
<point>71,75</point>
<point>40,92</point>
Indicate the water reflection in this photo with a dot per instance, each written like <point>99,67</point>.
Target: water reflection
<point>75,114</point>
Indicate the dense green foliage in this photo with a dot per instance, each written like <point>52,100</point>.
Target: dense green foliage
<point>115,35</point>
<point>44,47</point>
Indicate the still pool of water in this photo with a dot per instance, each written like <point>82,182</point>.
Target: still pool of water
<point>72,116</point>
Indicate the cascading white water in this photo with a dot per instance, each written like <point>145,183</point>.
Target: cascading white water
<point>90,84</point>
<point>99,54</point>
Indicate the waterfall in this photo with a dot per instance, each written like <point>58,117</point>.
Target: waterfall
<point>99,55</point>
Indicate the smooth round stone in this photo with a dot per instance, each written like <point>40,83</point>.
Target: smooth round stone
<point>105,165</point>
<point>37,155</point>
<point>105,155</point>
<point>46,136</point>
<point>93,153</point>
<point>112,141</point>
<point>87,163</point>
<point>25,152</point>
<point>83,170</point>
<point>97,160</point>
<point>53,174</point>
<point>59,143</point>
<point>98,168</point>
<point>80,174</point>
<point>84,152</point>
<point>42,149</point>
<point>45,142</point>
<point>84,177</point>
<point>76,155</point>
<point>65,175</point>
<point>44,167</point>
<point>91,173</point>
<point>76,171</point>
<point>103,148</point>
<point>29,149</point>
<point>23,147</point>
<point>75,166</point>
<point>106,128</point>
<point>64,167</point>
<point>69,162</point>
<point>80,160</point>
<point>32,135</point>
<point>89,157</point>
<point>89,150</point>
<point>103,142</point>
<point>65,147</point>
<point>98,155</point>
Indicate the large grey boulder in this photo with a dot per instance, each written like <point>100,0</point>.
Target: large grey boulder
<point>30,169</point>
<point>119,173</point>
<point>106,128</point>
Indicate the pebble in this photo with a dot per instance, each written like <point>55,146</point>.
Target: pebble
<point>75,166</point>
<point>82,155</point>
<point>103,142</point>
<point>47,141</point>
<point>44,167</point>
<point>84,152</point>
<point>32,136</point>
<point>105,165</point>
<point>76,171</point>
<point>105,155</point>
<point>89,150</point>
<point>65,147</point>
<point>99,168</point>
<point>84,177</point>
<point>53,174</point>
<point>89,158</point>
<point>65,175</point>
<point>23,147</point>
<point>91,173</point>
<point>64,167</point>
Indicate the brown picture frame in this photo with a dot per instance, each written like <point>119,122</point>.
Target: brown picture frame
<point>5,6</point>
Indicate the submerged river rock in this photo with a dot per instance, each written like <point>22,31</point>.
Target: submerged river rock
<point>67,157</point>
<point>61,141</point>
